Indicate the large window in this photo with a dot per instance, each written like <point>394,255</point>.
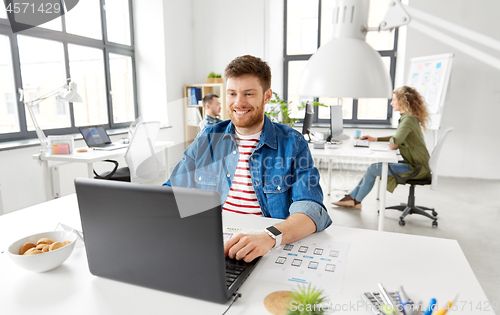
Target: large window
<point>307,27</point>
<point>9,121</point>
<point>93,46</point>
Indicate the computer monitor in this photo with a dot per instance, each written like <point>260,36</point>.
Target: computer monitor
<point>336,124</point>
<point>308,120</point>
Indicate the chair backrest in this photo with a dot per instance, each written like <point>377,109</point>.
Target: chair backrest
<point>140,156</point>
<point>433,161</point>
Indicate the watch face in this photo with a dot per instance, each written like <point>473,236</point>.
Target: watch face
<point>274,230</point>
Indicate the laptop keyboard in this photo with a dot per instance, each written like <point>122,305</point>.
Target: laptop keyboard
<point>234,268</point>
<point>362,143</point>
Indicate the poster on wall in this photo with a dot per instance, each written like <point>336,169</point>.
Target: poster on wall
<point>430,76</point>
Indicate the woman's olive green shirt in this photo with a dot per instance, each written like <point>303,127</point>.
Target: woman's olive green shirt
<point>412,147</point>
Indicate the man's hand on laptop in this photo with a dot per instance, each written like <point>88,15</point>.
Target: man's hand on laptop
<point>248,247</point>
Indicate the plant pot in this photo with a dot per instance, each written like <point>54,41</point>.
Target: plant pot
<point>214,80</point>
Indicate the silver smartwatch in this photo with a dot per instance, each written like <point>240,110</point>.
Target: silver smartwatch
<point>276,234</point>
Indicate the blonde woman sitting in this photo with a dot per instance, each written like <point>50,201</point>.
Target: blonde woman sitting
<point>409,139</point>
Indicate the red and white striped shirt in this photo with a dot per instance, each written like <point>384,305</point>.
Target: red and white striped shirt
<point>241,197</point>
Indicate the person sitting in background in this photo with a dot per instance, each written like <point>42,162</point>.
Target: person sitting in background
<point>212,110</point>
<point>409,139</point>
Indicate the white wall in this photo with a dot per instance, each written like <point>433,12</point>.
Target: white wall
<point>164,59</point>
<point>179,59</point>
<point>472,103</point>
<point>274,42</point>
<point>225,29</point>
<point>20,179</point>
<point>149,34</point>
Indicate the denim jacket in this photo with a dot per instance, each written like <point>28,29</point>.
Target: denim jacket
<point>209,121</point>
<point>281,167</point>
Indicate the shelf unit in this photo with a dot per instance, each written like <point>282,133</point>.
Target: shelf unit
<point>191,130</point>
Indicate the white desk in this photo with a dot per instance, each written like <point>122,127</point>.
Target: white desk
<point>427,267</point>
<point>89,157</point>
<point>347,154</point>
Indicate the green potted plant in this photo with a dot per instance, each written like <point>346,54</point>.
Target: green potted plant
<point>281,112</point>
<point>307,301</point>
<point>214,78</point>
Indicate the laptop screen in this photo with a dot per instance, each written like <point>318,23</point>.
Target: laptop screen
<point>95,136</point>
<point>159,246</point>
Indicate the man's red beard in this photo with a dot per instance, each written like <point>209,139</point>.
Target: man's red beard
<point>254,117</point>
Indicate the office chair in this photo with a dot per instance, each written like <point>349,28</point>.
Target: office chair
<point>141,157</point>
<point>410,207</point>
<point>143,165</point>
<point>118,174</point>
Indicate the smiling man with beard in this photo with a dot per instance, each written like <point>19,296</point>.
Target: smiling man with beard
<point>259,167</point>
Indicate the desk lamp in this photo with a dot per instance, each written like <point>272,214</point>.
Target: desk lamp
<point>347,66</point>
<point>67,92</point>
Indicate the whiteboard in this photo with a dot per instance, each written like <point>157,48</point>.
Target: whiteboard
<point>430,76</point>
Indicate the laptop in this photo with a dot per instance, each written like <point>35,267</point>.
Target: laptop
<point>97,138</point>
<point>136,234</point>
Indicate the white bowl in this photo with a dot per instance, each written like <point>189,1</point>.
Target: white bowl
<point>46,261</point>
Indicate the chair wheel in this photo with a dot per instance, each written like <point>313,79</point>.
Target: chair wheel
<point>434,213</point>
<point>402,222</point>
<point>434,223</point>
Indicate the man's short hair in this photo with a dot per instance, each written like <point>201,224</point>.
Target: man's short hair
<point>208,98</point>
<point>247,64</point>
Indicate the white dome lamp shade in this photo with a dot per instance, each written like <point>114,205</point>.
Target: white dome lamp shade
<point>347,66</point>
